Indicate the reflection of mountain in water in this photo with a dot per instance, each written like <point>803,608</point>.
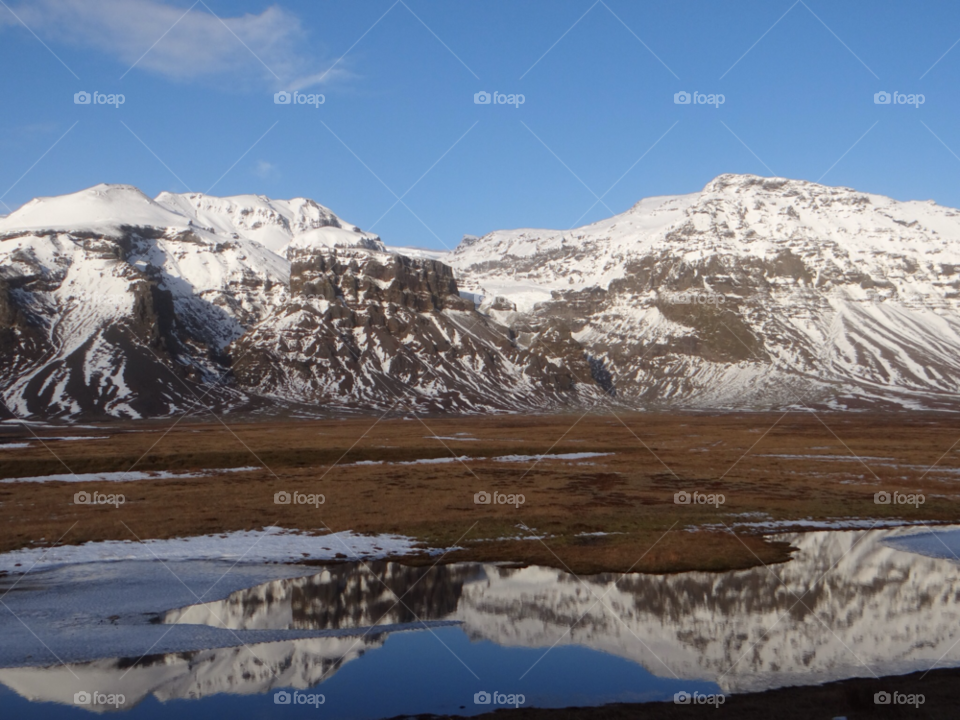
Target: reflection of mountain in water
<point>343,596</point>
<point>355,603</point>
<point>239,670</point>
<point>876,610</point>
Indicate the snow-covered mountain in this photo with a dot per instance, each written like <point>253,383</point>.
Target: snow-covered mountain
<point>272,223</point>
<point>115,304</point>
<point>755,292</point>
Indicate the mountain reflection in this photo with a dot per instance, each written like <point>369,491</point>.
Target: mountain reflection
<point>342,597</point>
<point>846,605</point>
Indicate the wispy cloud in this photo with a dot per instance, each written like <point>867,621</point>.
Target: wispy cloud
<point>266,170</point>
<point>183,41</point>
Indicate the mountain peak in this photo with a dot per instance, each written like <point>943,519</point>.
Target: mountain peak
<point>103,208</point>
<point>733,182</point>
<point>272,223</point>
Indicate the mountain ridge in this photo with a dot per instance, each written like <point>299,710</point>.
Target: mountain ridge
<point>753,293</point>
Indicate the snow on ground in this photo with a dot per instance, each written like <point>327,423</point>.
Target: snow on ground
<point>272,544</point>
<point>807,524</point>
<point>75,437</point>
<point>560,456</point>
<point>465,458</point>
<point>122,476</point>
<point>849,458</point>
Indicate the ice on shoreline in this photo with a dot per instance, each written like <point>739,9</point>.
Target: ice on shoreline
<point>123,476</point>
<point>272,544</point>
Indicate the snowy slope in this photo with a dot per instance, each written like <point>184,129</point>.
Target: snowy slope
<point>115,304</point>
<point>102,209</point>
<point>754,291</point>
<point>272,223</point>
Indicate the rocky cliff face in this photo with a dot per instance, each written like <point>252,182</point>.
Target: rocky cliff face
<point>755,292</point>
<point>364,328</point>
<point>115,304</point>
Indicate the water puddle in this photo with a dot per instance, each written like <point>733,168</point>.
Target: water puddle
<point>380,639</point>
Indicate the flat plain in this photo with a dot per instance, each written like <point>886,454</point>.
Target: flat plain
<point>599,490</point>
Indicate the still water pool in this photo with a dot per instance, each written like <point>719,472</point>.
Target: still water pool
<point>380,639</point>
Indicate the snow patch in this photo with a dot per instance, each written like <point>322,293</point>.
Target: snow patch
<point>123,476</point>
<point>272,544</point>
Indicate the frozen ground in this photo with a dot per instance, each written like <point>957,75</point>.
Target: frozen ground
<point>122,476</point>
<point>272,544</point>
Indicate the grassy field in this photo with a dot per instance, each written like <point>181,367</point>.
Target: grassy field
<point>768,467</point>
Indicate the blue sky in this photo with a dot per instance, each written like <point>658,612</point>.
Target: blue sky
<point>399,118</point>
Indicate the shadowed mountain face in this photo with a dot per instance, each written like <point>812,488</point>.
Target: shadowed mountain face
<point>115,304</point>
<point>374,329</point>
<point>342,597</point>
<point>754,292</point>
